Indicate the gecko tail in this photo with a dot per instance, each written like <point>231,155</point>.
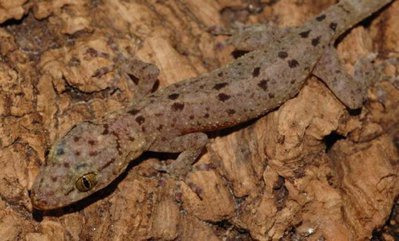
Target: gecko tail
<point>348,13</point>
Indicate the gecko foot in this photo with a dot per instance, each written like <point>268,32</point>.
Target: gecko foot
<point>189,146</point>
<point>180,167</point>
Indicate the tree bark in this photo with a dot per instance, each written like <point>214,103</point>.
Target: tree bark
<point>309,170</point>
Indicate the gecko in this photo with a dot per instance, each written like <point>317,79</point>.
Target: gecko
<point>175,119</point>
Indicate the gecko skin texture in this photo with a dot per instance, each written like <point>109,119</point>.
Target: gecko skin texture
<point>175,119</point>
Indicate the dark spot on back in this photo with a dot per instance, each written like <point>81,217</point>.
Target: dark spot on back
<point>231,111</point>
<point>91,142</point>
<point>191,117</point>
<point>282,54</point>
<point>54,179</point>
<point>293,63</point>
<point>304,34</point>
<point>263,84</point>
<point>140,119</point>
<point>219,86</point>
<point>316,41</point>
<point>293,81</point>
<point>271,95</point>
<point>206,115</point>
<point>173,96</point>
<point>133,111</point>
<point>143,128</point>
<point>160,127</point>
<point>177,106</point>
<point>239,63</point>
<point>321,17</point>
<point>256,72</point>
<point>76,138</point>
<point>77,153</point>
<point>93,153</point>
<point>220,74</point>
<point>333,26</point>
<point>66,165</point>
<point>223,97</point>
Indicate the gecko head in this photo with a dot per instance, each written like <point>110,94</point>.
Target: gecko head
<point>85,160</point>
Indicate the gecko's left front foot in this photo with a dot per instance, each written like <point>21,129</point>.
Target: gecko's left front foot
<point>190,147</point>
<point>180,167</point>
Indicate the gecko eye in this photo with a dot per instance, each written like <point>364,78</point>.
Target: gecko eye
<point>86,182</point>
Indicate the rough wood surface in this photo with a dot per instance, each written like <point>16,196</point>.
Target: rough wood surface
<point>310,170</point>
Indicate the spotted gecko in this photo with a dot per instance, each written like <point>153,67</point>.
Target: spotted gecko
<point>175,119</point>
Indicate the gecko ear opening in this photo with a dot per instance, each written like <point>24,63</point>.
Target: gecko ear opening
<point>86,182</point>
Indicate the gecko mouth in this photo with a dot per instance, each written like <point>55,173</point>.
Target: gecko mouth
<point>43,199</point>
<point>45,202</point>
<point>40,201</point>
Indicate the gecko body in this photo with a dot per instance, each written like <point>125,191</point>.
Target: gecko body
<point>175,119</point>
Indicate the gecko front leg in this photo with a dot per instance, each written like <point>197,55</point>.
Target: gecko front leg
<point>143,75</point>
<point>190,147</point>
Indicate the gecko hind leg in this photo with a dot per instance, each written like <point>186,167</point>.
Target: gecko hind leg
<point>190,147</point>
<point>351,91</point>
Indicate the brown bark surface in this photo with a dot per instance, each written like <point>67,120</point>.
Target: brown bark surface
<point>310,170</point>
